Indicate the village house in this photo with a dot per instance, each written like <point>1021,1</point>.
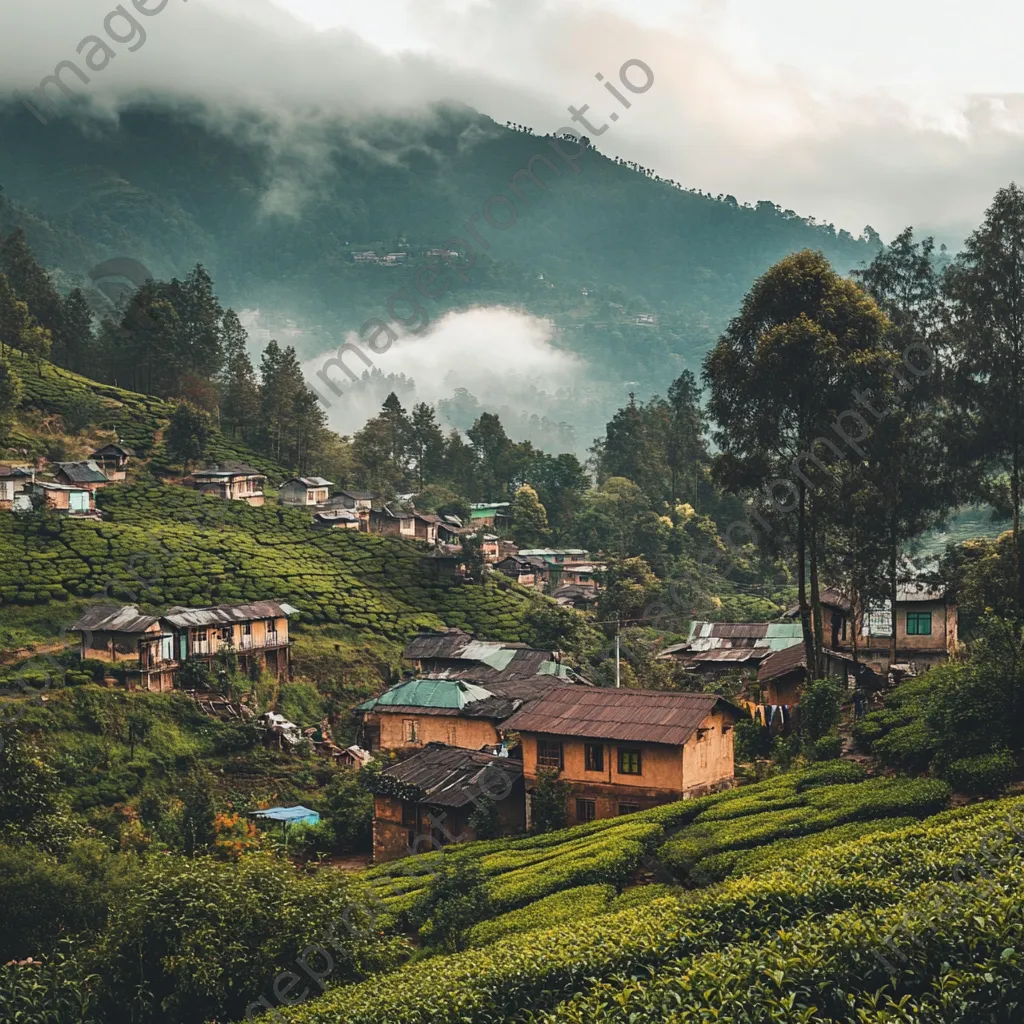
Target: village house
<point>557,556</point>
<point>359,500</point>
<point>152,648</point>
<point>76,501</point>
<point>488,513</point>
<point>417,712</point>
<point>229,481</point>
<point>13,481</point>
<point>716,648</point>
<point>455,654</point>
<point>113,460</point>
<point>426,801</point>
<point>926,628</point>
<point>421,526</point>
<point>87,475</point>
<point>126,638</point>
<point>525,570</point>
<point>582,597</point>
<point>337,519</point>
<point>782,676</point>
<point>623,750</point>
<point>304,490</point>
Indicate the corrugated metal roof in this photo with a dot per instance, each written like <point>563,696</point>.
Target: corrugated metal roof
<point>644,716</point>
<point>732,654</point>
<point>87,472</point>
<point>448,694</point>
<point>453,776</point>
<point>790,660</point>
<point>920,592</point>
<point>287,814</point>
<point>114,619</point>
<point>308,481</point>
<point>224,614</point>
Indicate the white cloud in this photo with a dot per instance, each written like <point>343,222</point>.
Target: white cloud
<point>502,356</point>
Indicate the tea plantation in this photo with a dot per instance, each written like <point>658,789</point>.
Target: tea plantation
<point>136,418</point>
<point>893,919</point>
<point>164,545</point>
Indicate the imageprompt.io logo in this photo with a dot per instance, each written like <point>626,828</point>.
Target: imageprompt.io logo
<point>118,278</point>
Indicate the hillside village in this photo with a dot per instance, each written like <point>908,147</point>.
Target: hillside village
<point>542,730</point>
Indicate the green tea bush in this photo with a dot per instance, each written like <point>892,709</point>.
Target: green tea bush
<point>578,904</point>
<point>608,969</point>
<point>984,775</point>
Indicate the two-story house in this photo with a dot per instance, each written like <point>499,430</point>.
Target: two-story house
<point>113,460</point>
<point>925,621</point>
<point>305,490</point>
<point>13,481</point>
<point>229,481</point>
<point>151,649</point>
<point>623,750</point>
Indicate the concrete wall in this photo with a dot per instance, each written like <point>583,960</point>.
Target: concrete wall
<point>471,733</point>
<point>708,755</point>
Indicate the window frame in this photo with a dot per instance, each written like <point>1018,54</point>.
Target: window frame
<point>625,756</point>
<point>588,806</point>
<point>628,809</point>
<point>593,763</point>
<point>917,618</point>
<point>546,760</point>
<point>409,730</point>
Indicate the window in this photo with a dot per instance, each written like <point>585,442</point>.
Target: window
<point>409,730</point>
<point>586,810</point>
<point>246,628</point>
<point>594,757</point>
<point>225,634</point>
<point>878,621</point>
<point>629,762</point>
<point>628,809</point>
<point>549,754</point>
<point>919,623</point>
<point>409,815</point>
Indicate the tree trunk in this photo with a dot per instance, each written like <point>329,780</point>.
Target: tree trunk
<point>801,572</point>
<point>819,637</point>
<point>854,590</point>
<point>893,559</point>
<point>1015,498</point>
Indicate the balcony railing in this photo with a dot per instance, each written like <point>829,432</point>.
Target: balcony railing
<point>245,642</point>
<point>200,646</point>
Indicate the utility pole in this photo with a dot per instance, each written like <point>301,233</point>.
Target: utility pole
<point>618,681</point>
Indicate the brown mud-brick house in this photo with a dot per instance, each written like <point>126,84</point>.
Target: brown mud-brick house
<point>409,525</point>
<point>13,481</point>
<point>113,460</point>
<point>582,597</point>
<point>87,475</point>
<point>626,750</point>
<point>489,513</point>
<point>151,649</point>
<point>305,490</point>
<point>925,621</point>
<point>458,713</point>
<point>425,802</point>
<point>138,644</point>
<point>782,676</point>
<point>229,481</point>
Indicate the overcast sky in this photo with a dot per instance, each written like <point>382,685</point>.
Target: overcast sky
<point>885,112</point>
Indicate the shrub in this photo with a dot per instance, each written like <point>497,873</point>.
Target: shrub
<point>828,748</point>
<point>984,775</point>
<point>456,899</point>
<point>548,802</point>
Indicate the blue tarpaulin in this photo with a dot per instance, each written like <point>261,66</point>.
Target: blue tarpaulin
<point>289,815</point>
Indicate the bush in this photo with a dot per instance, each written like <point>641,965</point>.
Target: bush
<point>828,748</point>
<point>984,775</point>
<point>548,802</point>
<point>456,899</point>
<point>578,904</point>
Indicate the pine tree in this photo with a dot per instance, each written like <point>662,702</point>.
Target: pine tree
<point>30,282</point>
<point>75,341</point>
<point>240,395</point>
